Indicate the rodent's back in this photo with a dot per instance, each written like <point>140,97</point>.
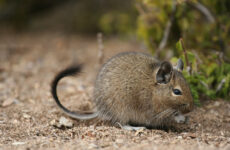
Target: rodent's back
<point>124,86</point>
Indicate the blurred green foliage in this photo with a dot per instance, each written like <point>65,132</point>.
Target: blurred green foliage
<point>199,30</point>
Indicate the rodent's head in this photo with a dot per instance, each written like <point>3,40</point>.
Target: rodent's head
<point>173,92</point>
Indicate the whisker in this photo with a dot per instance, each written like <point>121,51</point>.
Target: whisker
<point>160,117</point>
<point>163,113</point>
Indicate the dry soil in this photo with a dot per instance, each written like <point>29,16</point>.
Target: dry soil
<point>29,118</point>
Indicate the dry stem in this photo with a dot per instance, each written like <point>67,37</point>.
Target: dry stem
<point>186,57</point>
<point>100,48</point>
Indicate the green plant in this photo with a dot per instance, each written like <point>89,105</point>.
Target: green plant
<point>203,24</point>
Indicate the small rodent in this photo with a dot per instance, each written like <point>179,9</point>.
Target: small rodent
<point>134,89</point>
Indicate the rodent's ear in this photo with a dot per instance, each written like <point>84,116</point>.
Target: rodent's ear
<point>180,65</point>
<point>164,73</point>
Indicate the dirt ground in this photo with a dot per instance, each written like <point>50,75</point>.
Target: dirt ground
<point>29,118</point>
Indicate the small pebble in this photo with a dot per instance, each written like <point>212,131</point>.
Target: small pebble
<point>119,140</point>
<point>18,143</point>
<point>26,116</point>
<point>65,122</point>
<point>8,102</point>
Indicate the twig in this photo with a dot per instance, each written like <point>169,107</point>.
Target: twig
<point>100,48</point>
<point>186,57</point>
<point>164,40</point>
<point>204,10</point>
<point>140,9</point>
<point>220,58</point>
<point>205,85</point>
<point>220,85</point>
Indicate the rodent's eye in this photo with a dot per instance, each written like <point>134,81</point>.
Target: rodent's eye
<point>177,92</point>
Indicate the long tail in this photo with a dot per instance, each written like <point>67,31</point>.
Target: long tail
<point>69,72</point>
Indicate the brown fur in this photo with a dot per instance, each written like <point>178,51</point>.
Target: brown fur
<point>126,91</point>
